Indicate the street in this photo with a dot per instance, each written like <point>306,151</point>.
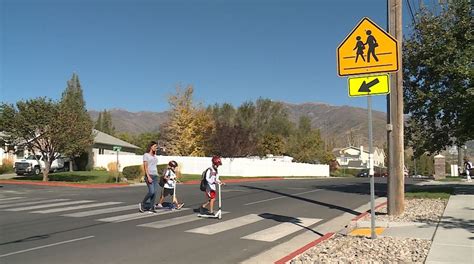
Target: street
<point>44,224</point>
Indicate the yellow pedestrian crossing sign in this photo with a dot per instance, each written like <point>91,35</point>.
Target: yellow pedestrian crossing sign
<point>367,49</point>
<point>369,85</point>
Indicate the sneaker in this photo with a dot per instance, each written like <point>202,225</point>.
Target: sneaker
<point>180,206</point>
<point>210,213</point>
<point>158,206</point>
<point>152,211</point>
<point>140,208</point>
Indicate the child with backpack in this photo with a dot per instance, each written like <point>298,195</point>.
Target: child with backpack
<point>168,183</point>
<point>210,178</point>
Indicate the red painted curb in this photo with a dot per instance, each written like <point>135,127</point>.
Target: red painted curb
<point>62,184</point>
<point>368,211</point>
<point>299,251</point>
<point>238,180</point>
<point>105,186</point>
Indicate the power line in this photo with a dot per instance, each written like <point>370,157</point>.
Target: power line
<point>411,11</point>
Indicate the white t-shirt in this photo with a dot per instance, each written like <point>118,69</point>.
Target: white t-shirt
<point>152,162</point>
<point>169,184</point>
<point>212,177</point>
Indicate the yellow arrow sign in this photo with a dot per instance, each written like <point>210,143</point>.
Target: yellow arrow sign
<point>367,49</point>
<point>369,85</point>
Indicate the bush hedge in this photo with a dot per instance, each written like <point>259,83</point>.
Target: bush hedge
<point>136,171</point>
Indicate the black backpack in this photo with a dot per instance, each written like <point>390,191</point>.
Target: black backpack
<point>203,184</point>
<point>161,182</point>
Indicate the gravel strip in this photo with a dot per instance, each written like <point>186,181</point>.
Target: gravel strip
<point>350,249</point>
<point>416,210</point>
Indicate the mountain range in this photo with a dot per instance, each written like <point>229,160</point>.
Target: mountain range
<point>341,125</point>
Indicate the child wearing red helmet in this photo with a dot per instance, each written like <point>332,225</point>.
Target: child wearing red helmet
<point>212,177</point>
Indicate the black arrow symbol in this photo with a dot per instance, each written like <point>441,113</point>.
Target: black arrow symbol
<point>365,87</point>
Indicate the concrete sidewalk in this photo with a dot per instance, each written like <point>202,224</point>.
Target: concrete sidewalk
<point>452,237</point>
<point>453,241</point>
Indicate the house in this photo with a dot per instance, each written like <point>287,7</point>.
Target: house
<point>103,145</point>
<point>358,158</point>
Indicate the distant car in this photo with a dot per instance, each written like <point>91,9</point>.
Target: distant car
<point>363,174</point>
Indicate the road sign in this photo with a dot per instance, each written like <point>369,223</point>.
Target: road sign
<point>367,49</point>
<point>117,148</point>
<point>369,85</point>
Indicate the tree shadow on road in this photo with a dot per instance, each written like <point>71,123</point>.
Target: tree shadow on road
<point>330,206</point>
<point>287,219</point>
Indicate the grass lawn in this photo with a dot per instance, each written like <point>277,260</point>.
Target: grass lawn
<point>440,192</point>
<point>85,177</point>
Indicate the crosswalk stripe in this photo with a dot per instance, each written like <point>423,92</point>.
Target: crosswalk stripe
<point>48,205</point>
<point>102,211</point>
<point>174,221</point>
<point>31,203</point>
<point>226,225</point>
<point>282,230</point>
<point>55,210</point>
<point>3,200</point>
<point>138,215</point>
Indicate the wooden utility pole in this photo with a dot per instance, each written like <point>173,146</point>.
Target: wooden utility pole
<point>396,180</point>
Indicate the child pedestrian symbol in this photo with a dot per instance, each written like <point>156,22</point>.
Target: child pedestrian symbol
<point>360,48</point>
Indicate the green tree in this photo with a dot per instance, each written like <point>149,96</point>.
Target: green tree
<point>33,123</point>
<point>438,72</point>
<point>76,122</point>
<point>104,123</point>
<point>306,144</point>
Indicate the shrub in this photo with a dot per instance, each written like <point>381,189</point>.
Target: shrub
<point>132,172</point>
<point>7,166</point>
<point>99,169</point>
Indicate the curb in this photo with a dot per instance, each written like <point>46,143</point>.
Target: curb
<point>62,184</point>
<point>327,236</point>
<point>112,185</point>
<point>355,219</point>
<point>301,250</point>
<point>239,180</point>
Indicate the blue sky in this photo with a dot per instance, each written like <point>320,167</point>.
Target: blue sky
<point>131,54</point>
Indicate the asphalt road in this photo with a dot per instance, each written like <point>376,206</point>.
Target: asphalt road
<point>83,228</point>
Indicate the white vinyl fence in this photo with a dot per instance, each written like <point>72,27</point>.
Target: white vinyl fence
<point>245,167</point>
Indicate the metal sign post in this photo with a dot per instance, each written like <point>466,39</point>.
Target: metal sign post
<point>117,150</point>
<point>371,172</point>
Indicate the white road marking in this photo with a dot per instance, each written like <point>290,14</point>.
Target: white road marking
<point>48,205</point>
<point>102,211</point>
<point>281,197</point>
<point>282,230</point>
<point>31,203</point>
<point>45,246</point>
<point>9,199</point>
<point>226,225</point>
<point>174,221</point>
<point>55,210</point>
<point>134,216</point>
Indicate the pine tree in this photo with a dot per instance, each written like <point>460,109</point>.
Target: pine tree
<point>74,117</point>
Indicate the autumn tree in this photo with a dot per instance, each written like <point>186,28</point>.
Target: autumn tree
<point>188,131</point>
<point>438,73</point>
